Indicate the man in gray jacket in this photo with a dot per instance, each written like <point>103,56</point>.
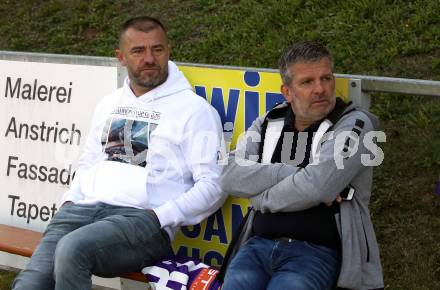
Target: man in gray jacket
<point>306,167</point>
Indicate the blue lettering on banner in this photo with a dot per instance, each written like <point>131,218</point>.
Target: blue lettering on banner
<point>237,217</point>
<point>219,231</point>
<point>251,101</point>
<point>251,106</point>
<point>191,231</point>
<point>215,225</point>
<point>213,255</point>
<point>226,116</point>
<point>272,99</point>
<point>251,78</point>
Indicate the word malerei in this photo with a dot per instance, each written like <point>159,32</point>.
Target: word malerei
<point>37,92</point>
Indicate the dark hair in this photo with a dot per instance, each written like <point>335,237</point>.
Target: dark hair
<point>300,52</point>
<point>141,23</point>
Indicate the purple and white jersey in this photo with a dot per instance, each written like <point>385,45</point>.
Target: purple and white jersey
<point>178,273</point>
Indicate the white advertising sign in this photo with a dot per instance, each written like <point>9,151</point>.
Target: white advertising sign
<point>45,114</point>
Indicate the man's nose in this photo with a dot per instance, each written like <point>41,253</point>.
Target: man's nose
<point>148,56</point>
<point>318,87</point>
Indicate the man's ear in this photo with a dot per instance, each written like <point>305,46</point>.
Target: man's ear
<point>287,93</point>
<point>120,56</point>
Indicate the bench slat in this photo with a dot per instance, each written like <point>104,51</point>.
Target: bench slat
<point>18,241</point>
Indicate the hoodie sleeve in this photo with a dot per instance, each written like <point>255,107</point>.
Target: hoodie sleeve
<point>243,176</point>
<point>341,158</point>
<point>91,154</point>
<point>200,148</point>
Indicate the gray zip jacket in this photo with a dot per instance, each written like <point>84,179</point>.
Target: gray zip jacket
<point>344,155</point>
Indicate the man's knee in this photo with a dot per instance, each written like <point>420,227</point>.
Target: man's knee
<point>70,252</point>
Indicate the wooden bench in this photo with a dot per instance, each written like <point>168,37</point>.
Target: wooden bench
<point>22,242</point>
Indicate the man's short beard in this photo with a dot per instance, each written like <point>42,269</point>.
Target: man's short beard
<point>151,83</point>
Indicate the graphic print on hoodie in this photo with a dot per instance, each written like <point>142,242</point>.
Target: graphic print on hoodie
<point>125,140</point>
<point>126,134</point>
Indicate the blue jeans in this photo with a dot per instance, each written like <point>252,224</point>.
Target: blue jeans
<point>101,239</point>
<point>271,264</point>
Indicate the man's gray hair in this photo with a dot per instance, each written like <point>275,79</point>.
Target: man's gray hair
<point>301,52</point>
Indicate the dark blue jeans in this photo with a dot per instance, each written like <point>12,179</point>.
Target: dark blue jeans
<point>271,264</point>
<point>101,239</point>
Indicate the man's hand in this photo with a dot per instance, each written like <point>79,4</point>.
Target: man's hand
<point>338,199</point>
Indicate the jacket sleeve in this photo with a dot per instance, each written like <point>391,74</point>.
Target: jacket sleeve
<point>243,176</point>
<point>339,162</point>
<point>200,148</point>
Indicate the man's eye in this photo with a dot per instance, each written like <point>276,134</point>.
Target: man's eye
<point>158,49</point>
<point>306,82</point>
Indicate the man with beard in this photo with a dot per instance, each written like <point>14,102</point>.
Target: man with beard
<point>149,166</point>
<point>293,164</point>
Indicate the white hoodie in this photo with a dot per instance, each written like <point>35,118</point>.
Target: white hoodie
<point>158,151</point>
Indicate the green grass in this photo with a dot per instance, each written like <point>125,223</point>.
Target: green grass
<point>372,37</point>
<point>405,210</point>
<point>6,279</point>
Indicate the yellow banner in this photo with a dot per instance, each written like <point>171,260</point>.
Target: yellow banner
<point>239,96</point>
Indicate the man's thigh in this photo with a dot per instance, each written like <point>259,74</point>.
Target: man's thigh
<point>303,265</point>
<point>118,243</point>
<point>249,267</point>
<point>66,220</point>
